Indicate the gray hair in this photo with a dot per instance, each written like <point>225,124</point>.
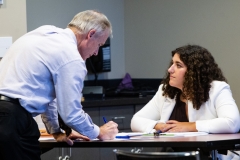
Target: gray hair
<point>91,19</point>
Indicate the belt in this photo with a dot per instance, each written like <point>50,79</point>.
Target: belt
<point>8,99</point>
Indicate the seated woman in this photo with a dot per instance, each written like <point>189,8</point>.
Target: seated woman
<point>194,96</point>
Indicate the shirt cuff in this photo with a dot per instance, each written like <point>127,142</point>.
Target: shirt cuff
<point>150,127</point>
<point>93,133</point>
<point>201,126</point>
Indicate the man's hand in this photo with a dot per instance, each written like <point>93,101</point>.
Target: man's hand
<point>75,135</point>
<point>61,137</point>
<point>108,131</point>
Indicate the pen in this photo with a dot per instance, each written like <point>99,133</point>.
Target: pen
<point>104,119</point>
<point>126,137</point>
<point>162,134</point>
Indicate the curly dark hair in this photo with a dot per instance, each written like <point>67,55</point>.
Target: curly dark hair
<point>201,71</point>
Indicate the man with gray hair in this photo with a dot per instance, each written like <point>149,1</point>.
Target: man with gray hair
<point>43,73</point>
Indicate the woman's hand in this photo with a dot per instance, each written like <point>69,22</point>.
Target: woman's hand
<point>160,127</point>
<point>175,126</point>
<point>61,137</point>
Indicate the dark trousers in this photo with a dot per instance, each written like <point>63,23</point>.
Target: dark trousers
<point>19,133</point>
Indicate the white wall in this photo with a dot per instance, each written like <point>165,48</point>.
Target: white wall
<point>61,12</point>
<point>153,28</point>
<point>13,18</point>
<point>148,30</point>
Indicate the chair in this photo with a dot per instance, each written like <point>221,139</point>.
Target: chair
<point>127,155</point>
<point>236,151</point>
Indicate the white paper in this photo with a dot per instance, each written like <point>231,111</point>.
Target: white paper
<point>184,134</point>
<point>45,138</point>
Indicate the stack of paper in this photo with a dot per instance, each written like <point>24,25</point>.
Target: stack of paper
<point>184,134</point>
<point>166,134</point>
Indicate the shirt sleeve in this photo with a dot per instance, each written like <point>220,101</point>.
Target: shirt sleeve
<point>145,119</point>
<point>222,102</point>
<point>68,83</point>
<point>50,118</point>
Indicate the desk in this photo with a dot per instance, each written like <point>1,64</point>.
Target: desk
<point>207,142</point>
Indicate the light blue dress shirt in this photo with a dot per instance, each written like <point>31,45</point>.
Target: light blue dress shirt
<point>45,71</point>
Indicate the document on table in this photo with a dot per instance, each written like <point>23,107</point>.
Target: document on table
<point>184,134</point>
<point>131,135</point>
<point>46,138</point>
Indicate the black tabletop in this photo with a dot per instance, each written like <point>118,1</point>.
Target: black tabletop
<point>209,142</point>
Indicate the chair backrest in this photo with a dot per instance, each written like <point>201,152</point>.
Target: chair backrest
<point>127,155</point>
